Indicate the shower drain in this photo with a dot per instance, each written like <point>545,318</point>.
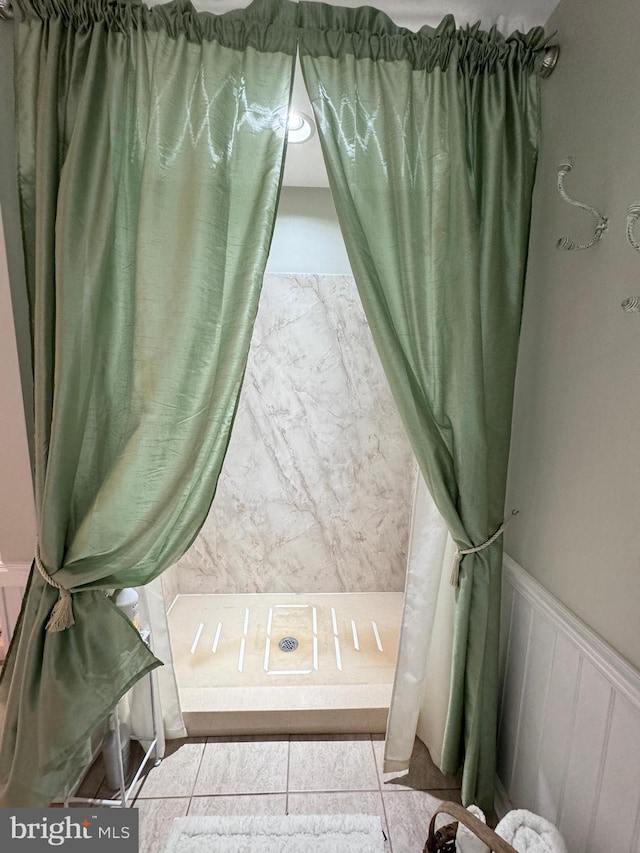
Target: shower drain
<point>288,644</point>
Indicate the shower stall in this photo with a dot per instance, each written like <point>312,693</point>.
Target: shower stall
<point>284,614</point>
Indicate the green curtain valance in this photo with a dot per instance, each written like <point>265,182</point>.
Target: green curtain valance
<point>368,33</point>
<point>266,25</point>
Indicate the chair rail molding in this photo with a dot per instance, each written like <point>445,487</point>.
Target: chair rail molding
<point>14,574</point>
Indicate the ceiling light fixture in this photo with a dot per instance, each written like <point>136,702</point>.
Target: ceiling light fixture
<point>300,127</point>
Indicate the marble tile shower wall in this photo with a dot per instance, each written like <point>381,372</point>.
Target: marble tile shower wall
<point>315,493</point>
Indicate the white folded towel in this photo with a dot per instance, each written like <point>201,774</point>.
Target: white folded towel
<point>530,833</point>
<point>466,841</point>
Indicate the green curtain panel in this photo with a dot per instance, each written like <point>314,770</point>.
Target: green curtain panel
<point>151,145</point>
<point>430,141</point>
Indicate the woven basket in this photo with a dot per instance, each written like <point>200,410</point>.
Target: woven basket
<point>443,840</point>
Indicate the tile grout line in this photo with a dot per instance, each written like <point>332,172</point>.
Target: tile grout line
<point>341,791</point>
<point>375,759</point>
<point>286,793</point>
<point>384,808</point>
<point>195,778</point>
<point>401,792</point>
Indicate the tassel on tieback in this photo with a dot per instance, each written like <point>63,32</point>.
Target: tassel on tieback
<point>62,614</point>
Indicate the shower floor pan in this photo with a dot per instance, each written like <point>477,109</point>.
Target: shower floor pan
<point>239,670</point>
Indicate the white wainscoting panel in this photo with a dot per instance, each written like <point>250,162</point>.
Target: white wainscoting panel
<point>569,736</point>
<point>13,580</point>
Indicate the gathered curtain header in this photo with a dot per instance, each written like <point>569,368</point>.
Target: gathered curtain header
<point>368,33</point>
<point>319,29</point>
<point>266,25</point>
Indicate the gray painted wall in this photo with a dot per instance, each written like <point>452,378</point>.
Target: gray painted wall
<point>575,459</point>
<point>17,516</point>
<point>10,215</point>
<point>307,237</point>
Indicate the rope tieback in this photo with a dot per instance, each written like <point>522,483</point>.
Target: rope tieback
<point>461,552</point>
<point>62,614</point>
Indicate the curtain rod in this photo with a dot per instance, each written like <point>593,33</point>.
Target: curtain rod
<point>549,62</point>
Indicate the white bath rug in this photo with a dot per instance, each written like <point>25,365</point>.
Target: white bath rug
<point>290,834</point>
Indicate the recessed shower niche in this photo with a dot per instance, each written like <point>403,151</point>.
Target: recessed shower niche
<point>307,534</point>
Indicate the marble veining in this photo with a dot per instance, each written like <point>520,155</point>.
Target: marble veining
<point>315,492</point>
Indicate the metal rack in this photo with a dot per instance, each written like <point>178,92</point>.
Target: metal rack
<point>114,722</point>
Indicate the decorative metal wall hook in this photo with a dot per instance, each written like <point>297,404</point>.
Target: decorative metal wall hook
<point>632,217</point>
<point>602,223</point>
<point>632,303</point>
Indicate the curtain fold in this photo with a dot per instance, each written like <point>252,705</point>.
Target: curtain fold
<point>150,146</point>
<point>430,142</point>
<point>423,667</point>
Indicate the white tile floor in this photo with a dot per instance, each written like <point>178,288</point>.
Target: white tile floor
<point>297,774</point>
